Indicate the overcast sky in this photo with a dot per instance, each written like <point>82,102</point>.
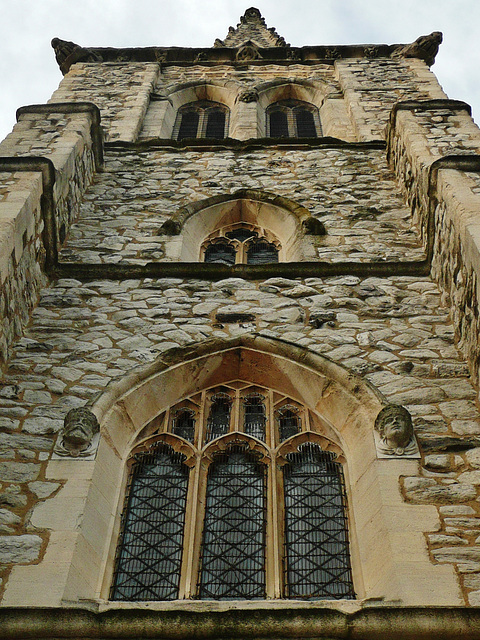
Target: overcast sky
<point>29,73</point>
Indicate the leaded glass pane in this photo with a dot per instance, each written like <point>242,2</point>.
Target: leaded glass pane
<point>262,252</point>
<point>305,124</point>
<point>149,554</point>
<point>255,418</point>
<point>288,423</point>
<point>215,124</point>
<point>233,547</point>
<point>184,424</point>
<point>221,253</point>
<point>316,535</point>
<point>278,124</point>
<point>218,422</point>
<point>188,125</point>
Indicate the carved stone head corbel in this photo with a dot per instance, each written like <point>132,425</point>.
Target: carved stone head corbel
<point>395,432</point>
<point>76,439</point>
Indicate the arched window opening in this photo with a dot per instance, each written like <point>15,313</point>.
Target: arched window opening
<point>241,234</point>
<point>262,252</point>
<point>224,506</point>
<point>151,540</point>
<point>316,534</point>
<point>220,253</point>
<point>183,424</point>
<point>233,545</point>
<point>218,422</point>
<point>288,422</point>
<point>202,119</point>
<point>255,418</point>
<point>293,119</point>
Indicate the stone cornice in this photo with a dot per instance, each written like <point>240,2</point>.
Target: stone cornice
<point>68,53</point>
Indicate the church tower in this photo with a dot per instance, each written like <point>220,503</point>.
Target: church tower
<point>240,346</point>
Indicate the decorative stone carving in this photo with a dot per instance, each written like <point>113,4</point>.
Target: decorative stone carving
<point>249,51</point>
<point>77,438</point>
<point>332,52</point>
<point>292,54</point>
<point>372,52</point>
<point>250,95</point>
<point>394,433</point>
<point>201,57</point>
<point>67,53</point>
<point>424,47</point>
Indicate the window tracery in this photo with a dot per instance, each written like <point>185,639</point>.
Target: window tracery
<point>201,119</point>
<point>255,510</point>
<point>293,119</point>
<point>240,243</point>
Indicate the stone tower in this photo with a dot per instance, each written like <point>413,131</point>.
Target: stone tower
<point>240,346</point>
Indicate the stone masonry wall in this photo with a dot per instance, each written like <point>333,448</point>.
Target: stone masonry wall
<point>126,205</point>
<point>393,331</point>
<point>66,140</point>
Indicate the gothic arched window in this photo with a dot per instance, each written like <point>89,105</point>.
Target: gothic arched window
<point>241,243</point>
<point>293,119</point>
<point>202,119</point>
<point>253,506</point>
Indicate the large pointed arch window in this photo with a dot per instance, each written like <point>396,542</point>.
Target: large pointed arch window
<point>201,119</point>
<point>234,494</point>
<point>293,119</point>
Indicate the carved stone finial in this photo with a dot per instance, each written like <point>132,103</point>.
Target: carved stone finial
<point>424,47</point>
<point>76,437</point>
<point>395,428</point>
<point>252,14</point>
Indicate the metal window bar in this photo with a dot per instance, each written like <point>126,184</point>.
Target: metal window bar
<point>241,234</point>
<point>216,121</point>
<point>278,124</point>
<point>288,423</point>
<point>220,252</point>
<point>262,252</point>
<point>218,422</point>
<point>316,532</point>
<point>305,124</point>
<point>233,545</point>
<point>255,418</point>
<point>149,552</point>
<point>188,125</point>
<point>183,424</point>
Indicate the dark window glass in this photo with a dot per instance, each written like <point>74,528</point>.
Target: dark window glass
<point>255,418</point>
<point>278,124</point>
<point>150,546</point>
<point>184,424</point>
<point>220,252</point>
<point>188,125</point>
<point>305,124</point>
<point>262,252</point>
<point>288,423</point>
<point>215,124</point>
<point>233,546</point>
<point>316,536</point>
<point>218,421</point>
<point>241,234</point>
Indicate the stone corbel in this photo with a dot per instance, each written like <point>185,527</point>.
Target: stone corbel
<point>394,436</point>
<point>79,436</point>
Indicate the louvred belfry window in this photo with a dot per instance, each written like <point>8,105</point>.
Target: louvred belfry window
<point>239,244</point>
<point>293,119</point>
<point>234,495</point>
<point>202,119</point>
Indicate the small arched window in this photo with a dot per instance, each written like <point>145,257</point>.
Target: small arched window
<point>202,119</point>
<point>241,512</point>
<point>293,119</point>
<point>240,244</point>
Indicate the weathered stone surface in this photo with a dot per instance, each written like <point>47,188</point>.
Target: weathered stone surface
<point>457,554</point>
<point>427,490</point>
<point>18,471</point>
<point>19,549</point>
<point>43,489</point>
